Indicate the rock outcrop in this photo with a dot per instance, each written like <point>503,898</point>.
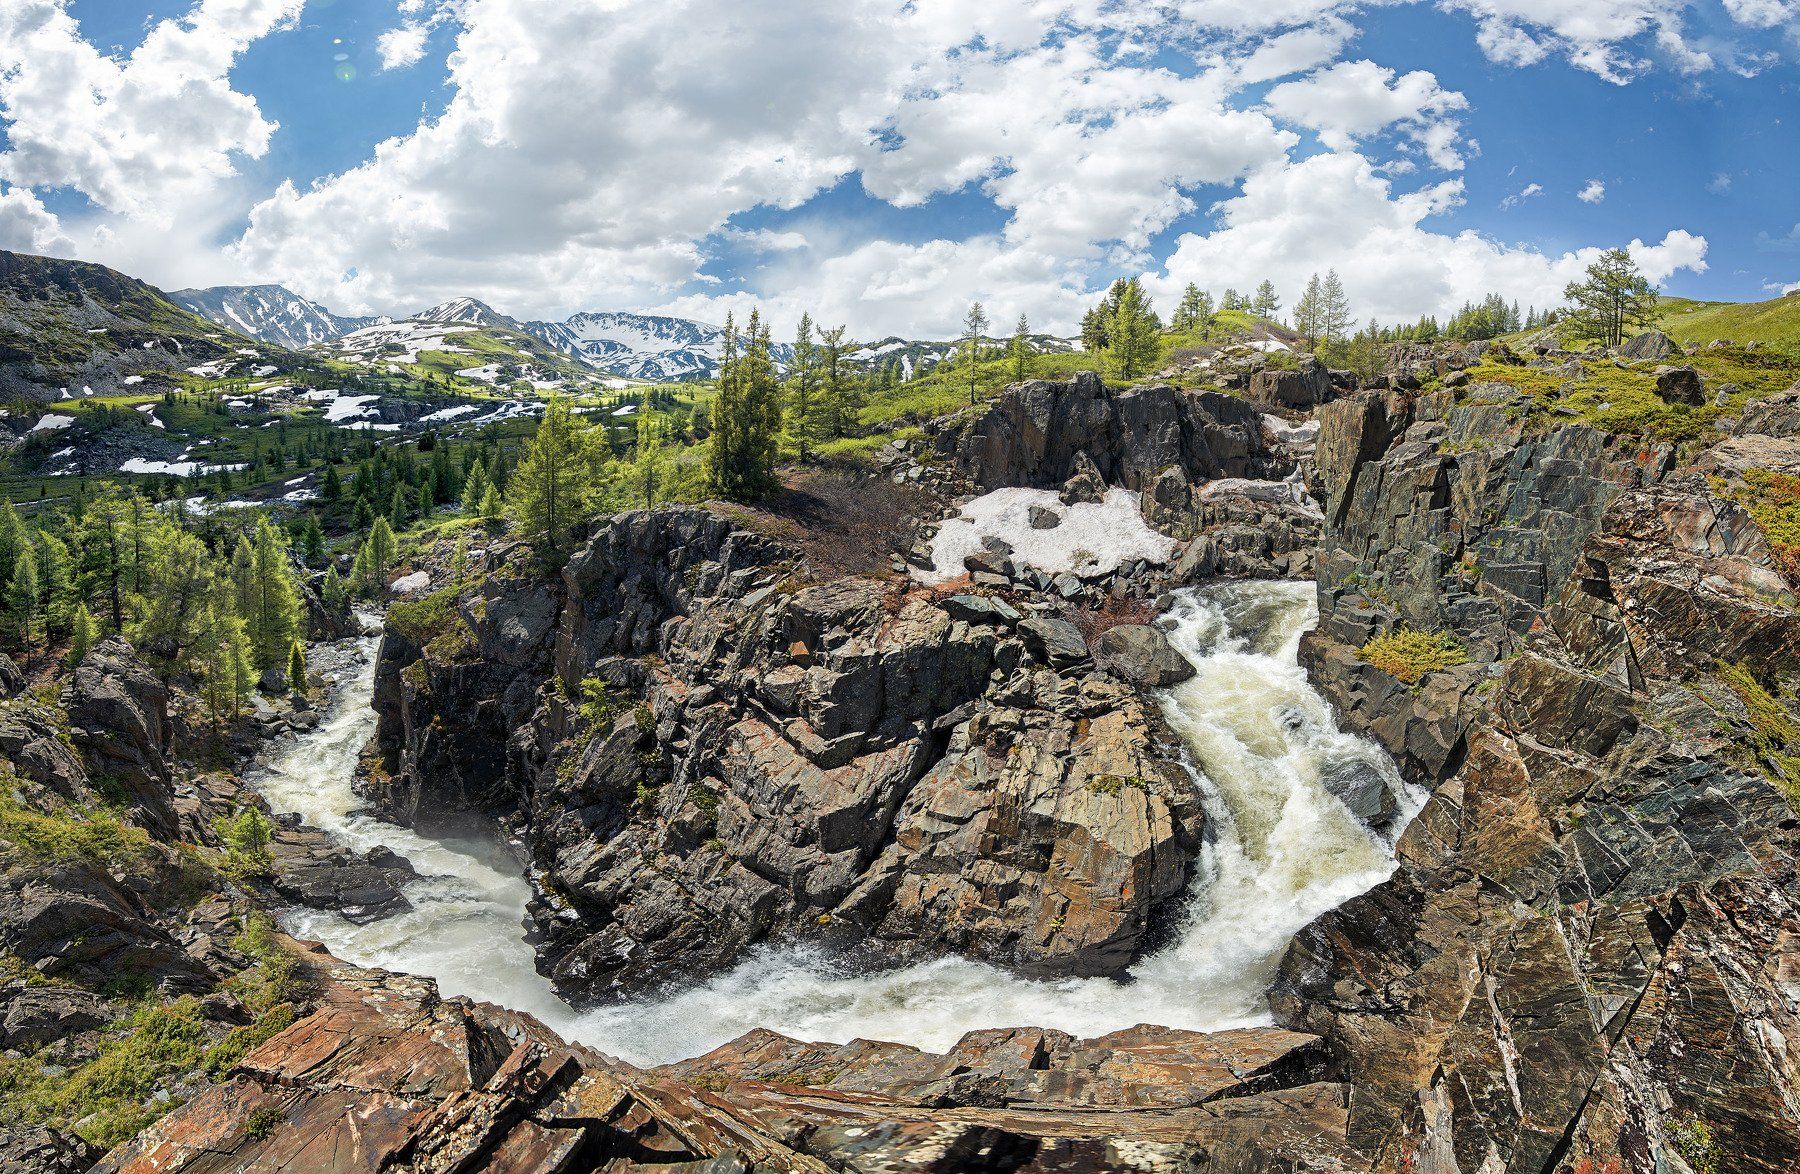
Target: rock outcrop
<point>709,754</point>
<point>385,1075</point>
<point>1583,959</point>
<point>1033,435</point>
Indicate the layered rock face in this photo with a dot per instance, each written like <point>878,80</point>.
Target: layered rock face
<point>386,1076</point>
<point>849,760</point>
<point>1031,436</point>
<point>1585,958</point>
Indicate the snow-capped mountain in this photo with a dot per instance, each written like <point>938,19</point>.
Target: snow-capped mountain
<point>465,312</point>
<point>910,357</point>
<point>270,313</point>
<point>652,347</point>
<point>642,346</point>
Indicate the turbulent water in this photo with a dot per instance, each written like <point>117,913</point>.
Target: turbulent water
<point>1281,851</point>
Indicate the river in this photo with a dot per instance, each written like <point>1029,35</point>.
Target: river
<point>1281,850</point>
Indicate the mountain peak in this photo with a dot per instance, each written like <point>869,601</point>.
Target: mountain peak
<point>466,312</point>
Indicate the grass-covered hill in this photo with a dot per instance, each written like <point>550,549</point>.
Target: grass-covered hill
<point>1697,323</point>
<point>73,325</point>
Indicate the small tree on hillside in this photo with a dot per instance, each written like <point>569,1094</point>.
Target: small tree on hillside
<point>22,595</point>
<point>1019,349</point>
<point>1614,298</point>
<point>553,487</point>
<point>844,390</point>
<point>975,324</point>
<point>1309,312</point>
<point>803,385</point>
<point>1265,304</point>
<point>1135,333</point>
<point>746,416</point>
<point>1335,322</point>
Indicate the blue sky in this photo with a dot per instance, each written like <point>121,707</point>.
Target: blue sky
<point>884,165</point>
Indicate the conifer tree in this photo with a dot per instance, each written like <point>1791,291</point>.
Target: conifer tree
<point>649,459</point>
<point>803,378</point>
<point>1186,319</point>
<point>383,549</point>
<point>312,541</point>
<point>83,632</point>
<point>22,594</point>
<point>1613,299</point>
<point>56,574</point>
<point>273,619</point>
<point>397,512</point>
<point>975,323</point>
<point>491,504</point>
<point>475,487</point>
<point>553,487</point>
<point>1309,312</point>
<point>1135,332</point>
<point>843,389</point>
<point>296,668</point>
<point>1265,304</point>
<point>746,417</point>
<point>331,590</point>
<point>1019,348</point>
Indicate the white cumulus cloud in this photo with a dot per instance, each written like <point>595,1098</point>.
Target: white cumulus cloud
<point>1593,193</point>
<point>138,136</point>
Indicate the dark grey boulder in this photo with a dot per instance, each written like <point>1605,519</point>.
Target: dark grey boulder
<point>1680,385</point>
<point>1057,641</point>
<point>1652,346</point>
<point>1141,655</point>
<point>1362,789</point>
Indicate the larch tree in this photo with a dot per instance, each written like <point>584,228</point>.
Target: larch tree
<point>803,413</point>
<point>553,487</point>
<point>746,416</point>
<point>1135,332</point>
<point>975,324</point>
<point>1612,299</point>
<point>1019,348</point>
<point>843,388</point>
<point>273,619</point>
<point>1266,304</point>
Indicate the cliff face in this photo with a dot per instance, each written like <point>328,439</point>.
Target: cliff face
<point>724,753</point>
<point>1586,954</point>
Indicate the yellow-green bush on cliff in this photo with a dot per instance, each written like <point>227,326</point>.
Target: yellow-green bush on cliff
<point>1407,655</point>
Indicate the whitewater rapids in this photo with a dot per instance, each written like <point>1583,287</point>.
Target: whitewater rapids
<point>1280,851</point>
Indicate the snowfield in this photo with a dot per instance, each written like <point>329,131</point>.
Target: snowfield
<point>1092,539</point>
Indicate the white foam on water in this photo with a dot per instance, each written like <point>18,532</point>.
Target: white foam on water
<point>1281,850</point>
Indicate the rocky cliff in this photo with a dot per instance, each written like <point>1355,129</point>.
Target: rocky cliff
<point>703,745</point>
<point>1585,959</point>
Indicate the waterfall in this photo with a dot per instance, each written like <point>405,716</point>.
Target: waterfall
<point>1280,851</point>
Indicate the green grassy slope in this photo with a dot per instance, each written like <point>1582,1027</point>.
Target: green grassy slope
<point>1694,323</point>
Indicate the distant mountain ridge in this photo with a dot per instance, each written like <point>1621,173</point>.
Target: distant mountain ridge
<point>655,347</point>
<point>271,313</point>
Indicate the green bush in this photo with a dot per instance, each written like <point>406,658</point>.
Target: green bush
<point>100,838</point>
<point>594,707</point>
<point>1407,655</point>
<point>245,835</point>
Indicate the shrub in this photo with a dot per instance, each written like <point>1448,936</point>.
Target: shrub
<point>99,839</point>
<point>1407,655</point>
<point>246,835</point>
<point>1773,502</point>
<point>275,980</point>
<point>594,707</point>
<point>1774,731</point>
